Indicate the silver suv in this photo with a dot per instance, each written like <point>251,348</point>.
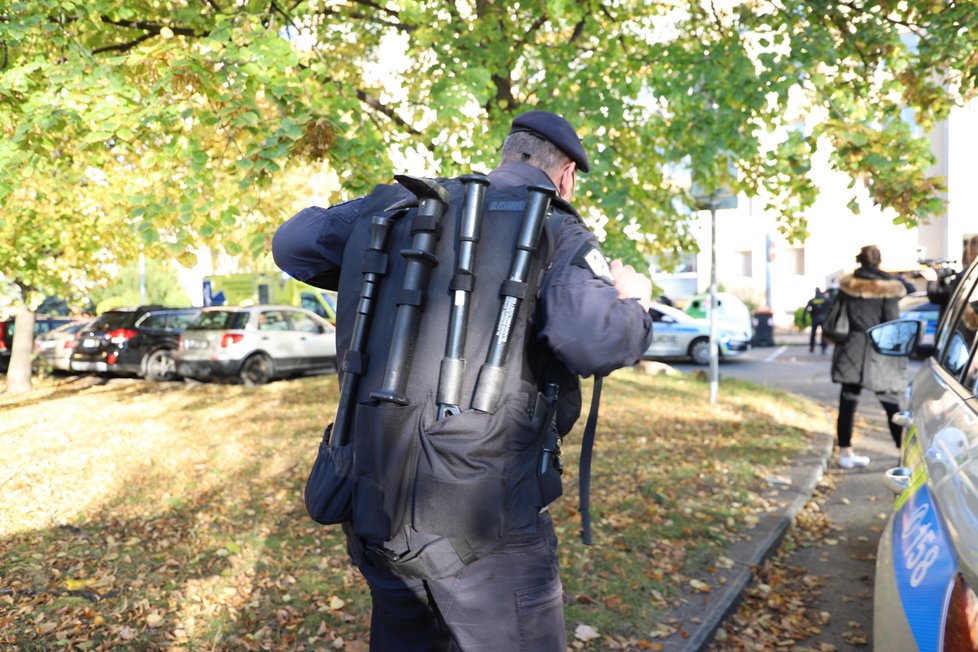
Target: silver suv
<point>927,560</point>
<point>255,344</point>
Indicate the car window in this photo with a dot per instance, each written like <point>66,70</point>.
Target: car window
<point>309,303</point>
<point>153,320</point>
<point>330,299</point>
<point>272,320</point>
<point>962,329</point>
<point>954,309</point>
<point>304,323</point>
<point>659,318</point>
<point>180,320</point>
<point>219,320</point>
<point>112,320</point>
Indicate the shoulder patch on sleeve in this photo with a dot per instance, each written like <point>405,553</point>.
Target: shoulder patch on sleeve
<point>590,257</point>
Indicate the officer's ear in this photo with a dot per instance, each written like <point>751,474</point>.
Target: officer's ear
<point>567,181</point>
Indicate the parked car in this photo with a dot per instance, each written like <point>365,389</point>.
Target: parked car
<point>53,349</point>
<point>133,341</point>
<point>917,306</point>
<point>255,344</point>
<point>676,334</point>
<point>42,324</point>
<point>927,559</point>
<point>730,309</point>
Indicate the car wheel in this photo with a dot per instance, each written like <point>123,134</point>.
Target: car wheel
<point>699,351</point>
<point>256,370</point>
<point>159,366</point>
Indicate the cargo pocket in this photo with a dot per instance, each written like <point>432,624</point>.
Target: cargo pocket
<point>386,447</point>
<point>461,486</point>
<point>329,487</point>
<point>540,616</point>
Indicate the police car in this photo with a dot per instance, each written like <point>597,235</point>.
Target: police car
<point>678,335</point>
<point>927,559</point>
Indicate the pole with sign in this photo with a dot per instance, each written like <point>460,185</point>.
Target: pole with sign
<point>713,201</point>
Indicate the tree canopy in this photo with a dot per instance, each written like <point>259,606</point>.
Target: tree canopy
<point>135,125</point>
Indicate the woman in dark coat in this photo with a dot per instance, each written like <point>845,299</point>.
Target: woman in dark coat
<point>870,296</point>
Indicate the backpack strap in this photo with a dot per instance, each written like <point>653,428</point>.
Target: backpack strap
<point>587,448</point>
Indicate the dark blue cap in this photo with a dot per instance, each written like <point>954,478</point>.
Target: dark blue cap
<point>553,128</point>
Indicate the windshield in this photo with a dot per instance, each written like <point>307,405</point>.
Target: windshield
<point>216,320</point>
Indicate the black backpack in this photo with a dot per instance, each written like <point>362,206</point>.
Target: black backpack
<point>445,439</point>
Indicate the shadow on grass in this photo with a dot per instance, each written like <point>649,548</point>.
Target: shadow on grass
<point>236,566</point>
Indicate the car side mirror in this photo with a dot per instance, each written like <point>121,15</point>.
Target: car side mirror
<point>895,338</point>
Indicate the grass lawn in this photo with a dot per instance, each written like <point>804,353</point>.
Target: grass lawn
<point>150,516</point>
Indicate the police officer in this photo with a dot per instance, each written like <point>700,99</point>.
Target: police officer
<point>818,309</point>
<point>593,319</point>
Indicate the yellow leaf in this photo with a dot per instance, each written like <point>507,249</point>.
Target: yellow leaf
<point>74,585</point>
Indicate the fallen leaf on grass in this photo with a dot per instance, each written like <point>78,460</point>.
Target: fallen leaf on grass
<point>586,633</point>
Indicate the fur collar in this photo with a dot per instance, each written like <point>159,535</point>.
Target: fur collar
<point>872,288</point>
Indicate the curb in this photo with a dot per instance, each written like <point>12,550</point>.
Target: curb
<point>701,614</point>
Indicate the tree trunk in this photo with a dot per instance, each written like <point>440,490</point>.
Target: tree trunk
<point>19,370</point>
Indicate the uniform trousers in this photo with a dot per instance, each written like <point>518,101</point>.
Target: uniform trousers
<point>509,600</point>
<point>849,400</point>
<point>812,337</point>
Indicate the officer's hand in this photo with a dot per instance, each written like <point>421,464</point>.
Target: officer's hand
<point>928,274</point>
<point>630,284</point>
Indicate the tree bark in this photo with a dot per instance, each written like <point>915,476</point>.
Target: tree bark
<point>19,370</point>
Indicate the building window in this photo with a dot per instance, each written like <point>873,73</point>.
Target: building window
<point>745,263</point>
<point>687,263</point>
<point>796,261</point>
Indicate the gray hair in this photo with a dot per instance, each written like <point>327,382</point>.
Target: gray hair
<point>526,147</point>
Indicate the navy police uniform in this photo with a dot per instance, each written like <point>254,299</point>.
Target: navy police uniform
<point>512,598</point>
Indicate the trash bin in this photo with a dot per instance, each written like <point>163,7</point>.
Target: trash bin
<point>763,327</point>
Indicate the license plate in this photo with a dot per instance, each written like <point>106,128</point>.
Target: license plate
<point>89,343</point>
<point>89,366</point>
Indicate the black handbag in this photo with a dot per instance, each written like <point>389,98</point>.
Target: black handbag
<point>835,329</point>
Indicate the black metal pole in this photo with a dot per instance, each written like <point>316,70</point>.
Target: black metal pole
<point>492,374</point>
<point>453,364</point>
<point>425,231</point>
<point>375,266</point>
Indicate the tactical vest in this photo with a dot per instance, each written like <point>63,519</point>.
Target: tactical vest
<point>427,489</point>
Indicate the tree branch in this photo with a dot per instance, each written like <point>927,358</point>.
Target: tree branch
<point>373,5</point>
<point>153,28</point>
<point>122,47</point>
<point>376,105</point>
